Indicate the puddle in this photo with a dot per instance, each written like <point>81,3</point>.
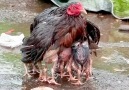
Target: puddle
<point>115,60</point>
<point>110,67</point>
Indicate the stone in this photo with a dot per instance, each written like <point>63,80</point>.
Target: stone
<point>42,88</point>
<point>124,28</point>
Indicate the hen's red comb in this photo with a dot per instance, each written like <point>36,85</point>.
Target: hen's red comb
<point>75,9</point>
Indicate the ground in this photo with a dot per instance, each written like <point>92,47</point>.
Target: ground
<point>110,67</point>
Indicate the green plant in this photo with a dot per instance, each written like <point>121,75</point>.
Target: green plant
<point>121,8</point>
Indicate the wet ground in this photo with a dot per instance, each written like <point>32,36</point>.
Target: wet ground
<point>110,67</point>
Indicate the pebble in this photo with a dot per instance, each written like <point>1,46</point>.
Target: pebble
<point>42,88</point>
<point>124,28</point>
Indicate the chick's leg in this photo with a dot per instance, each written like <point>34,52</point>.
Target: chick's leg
<point>69,69</point>
<point>78,69</point>
<point>45,74</point>
<point>62,69</point>
<point>79,78</point>
<point>26,70</point>
<point>89,72</point>
<point>53,71</point>
<point>35,69</point>
<point>88,69</point>
<point>41,76</point>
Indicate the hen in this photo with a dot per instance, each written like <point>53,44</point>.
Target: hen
<point>57,27</point>
<point>61,27</point>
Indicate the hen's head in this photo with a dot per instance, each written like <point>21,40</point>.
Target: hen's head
<point>75,9</point>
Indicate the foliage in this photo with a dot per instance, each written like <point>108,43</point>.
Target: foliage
<point>121,8</point>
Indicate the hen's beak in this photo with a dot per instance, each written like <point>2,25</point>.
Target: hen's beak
<point>83,12</point>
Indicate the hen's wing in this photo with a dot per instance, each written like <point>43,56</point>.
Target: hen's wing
<point>41,39</point>
<point>45,16</point>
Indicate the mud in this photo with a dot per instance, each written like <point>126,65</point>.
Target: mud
<point>110,67</point>
<point>102,80</point>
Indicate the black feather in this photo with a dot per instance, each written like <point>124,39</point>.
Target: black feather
<point>93,32</point>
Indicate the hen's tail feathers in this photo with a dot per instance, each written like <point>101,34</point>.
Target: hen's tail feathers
<point>39,56</point>
<point>93,32</point>
<point>93,36</point>
<point>28,53</point>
